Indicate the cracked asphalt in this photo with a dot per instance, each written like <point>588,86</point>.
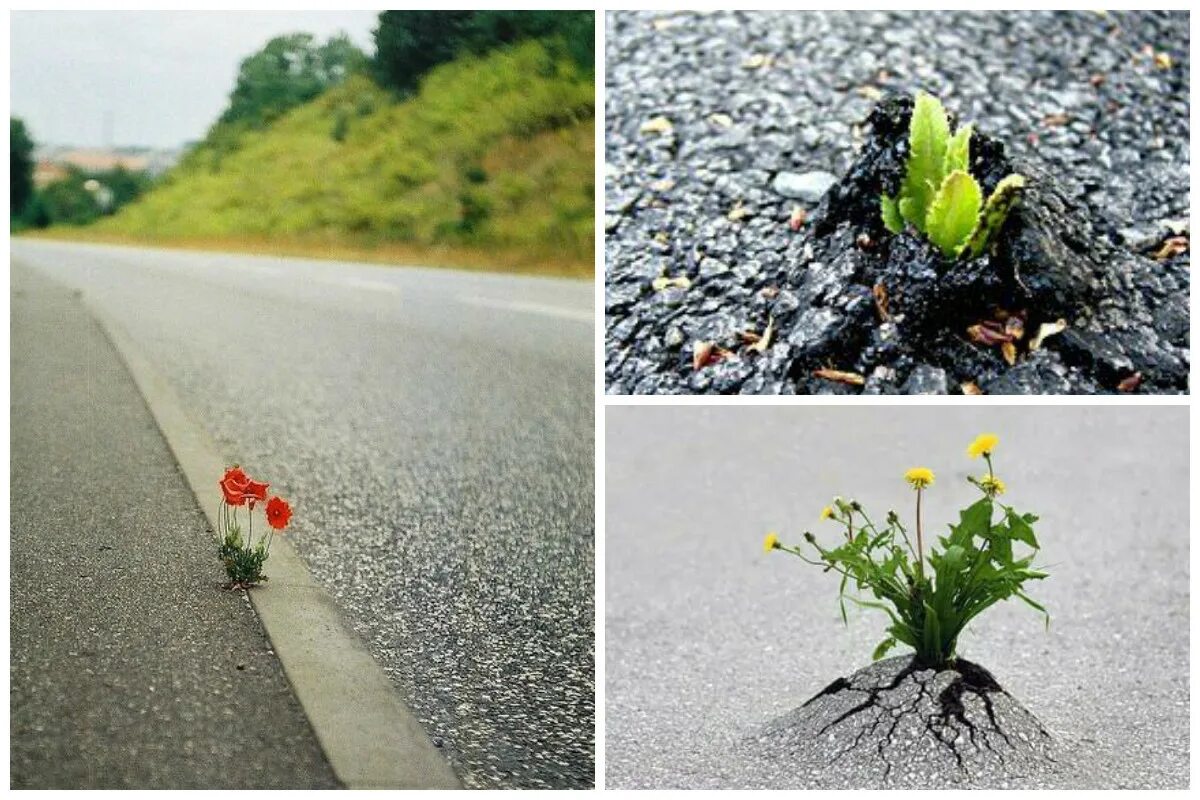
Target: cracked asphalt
<point>892,725</point>
<point>708,640</point>
<point>434,432</point>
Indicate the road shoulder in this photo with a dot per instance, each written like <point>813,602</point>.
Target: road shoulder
<point>130,666</point>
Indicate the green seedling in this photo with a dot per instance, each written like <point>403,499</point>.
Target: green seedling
<point>929,600</point>
<point>939,197</point>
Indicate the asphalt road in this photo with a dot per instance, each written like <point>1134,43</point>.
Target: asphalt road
<point>434,432</point>
<point>130,666</point>
<point>708,639</point>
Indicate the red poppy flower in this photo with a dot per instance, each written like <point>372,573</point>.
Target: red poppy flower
<point>278,513</point>
<point>233,486</point>
<point>255,491</point>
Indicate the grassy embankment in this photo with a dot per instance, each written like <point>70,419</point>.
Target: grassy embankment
<point>490,165</point>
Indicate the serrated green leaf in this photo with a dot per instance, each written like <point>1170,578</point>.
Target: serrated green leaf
<point>958,151</point>
<point>884,646</point>
<point>928,133</point>
<point>995,212</point>
<point>891,214</point>
<point>974,520</point>
<point>954,212</point>
<point>1020,530</point>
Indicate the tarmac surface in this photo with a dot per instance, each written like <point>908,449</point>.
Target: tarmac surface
<point>709,640</point>
<point>434,432</point>
<point>723,130</point>
<point>131,666</point>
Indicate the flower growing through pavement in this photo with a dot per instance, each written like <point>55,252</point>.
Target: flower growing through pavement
<point>243,557</point>
<point>969,570</point>
<point>991,485</point>
<point>827,512</point>
<point>233,486</point>
<point>919,477</point>
<point>770,542</point>
<point>983,445</point>
<point>278,513</point>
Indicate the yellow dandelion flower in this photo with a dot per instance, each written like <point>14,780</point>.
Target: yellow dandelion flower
<point>827,512</point>
<point>991,485</point>
<point>983,445</point>
<point>919,477</point>
<point>771,542</point>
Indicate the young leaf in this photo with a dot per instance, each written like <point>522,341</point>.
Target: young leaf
<point>884,646</point>
<point>928,132</point>
<point>891,214</point>
<point>954,212</point>
<point>958,151</point>
<point>995,211</point>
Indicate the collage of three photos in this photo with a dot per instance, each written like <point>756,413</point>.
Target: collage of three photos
<point>312,487</point>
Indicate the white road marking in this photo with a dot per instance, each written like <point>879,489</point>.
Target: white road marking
<point>577,315</point>
<point>364,283</point>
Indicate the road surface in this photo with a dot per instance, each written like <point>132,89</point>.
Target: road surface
<point>434,432</point>
<point>708,639</point>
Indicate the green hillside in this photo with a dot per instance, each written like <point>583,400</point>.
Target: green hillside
<point>494,154</point>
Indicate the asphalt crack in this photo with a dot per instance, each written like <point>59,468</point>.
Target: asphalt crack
<point>895,714</point>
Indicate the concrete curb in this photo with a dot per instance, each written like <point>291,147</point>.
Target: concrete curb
<point>370,737</point>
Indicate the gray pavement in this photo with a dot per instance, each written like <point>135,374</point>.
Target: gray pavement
<point>434,431</point>
<point>709,640</point>
<point>130,666</point>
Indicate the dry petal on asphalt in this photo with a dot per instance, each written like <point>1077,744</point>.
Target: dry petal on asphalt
<point>1009,351</point>
<point>663,282</point>
<point>1045,330</point>
<point>970,387</point>
<point>658,125</point>
<point>988,333</point>
<point>797,218</point>
<point>1131,383</point>
<point>852,378</point>
<point>1171,247</point>
<point>879,292</point>
<point>764,341</point>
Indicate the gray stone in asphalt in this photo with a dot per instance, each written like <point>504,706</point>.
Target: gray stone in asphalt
<point>806,186</point>
<point>897,725</point>
<point>708,639</point>
<point>130,666</point>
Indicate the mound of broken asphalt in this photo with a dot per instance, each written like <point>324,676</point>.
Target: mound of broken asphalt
<point>896,725</point>
<point>726,271</point>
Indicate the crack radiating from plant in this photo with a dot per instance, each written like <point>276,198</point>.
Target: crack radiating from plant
<point>944,716</point>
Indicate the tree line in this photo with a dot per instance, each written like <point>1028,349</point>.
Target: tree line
<point>292,70</point>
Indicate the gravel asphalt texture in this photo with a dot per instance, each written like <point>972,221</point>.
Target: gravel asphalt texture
<point>131,666</point>
<point>704,112</point>
<point>433,430</point>
<point>709,640</point>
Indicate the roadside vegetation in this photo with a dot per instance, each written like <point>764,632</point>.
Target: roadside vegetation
<point>478,151</point>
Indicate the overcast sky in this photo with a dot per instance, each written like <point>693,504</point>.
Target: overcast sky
<point>164,76</point>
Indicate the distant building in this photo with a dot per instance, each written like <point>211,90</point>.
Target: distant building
<point>52,162</point>
<point>46,172</point>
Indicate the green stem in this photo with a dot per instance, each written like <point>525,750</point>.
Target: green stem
<point>920,548</point>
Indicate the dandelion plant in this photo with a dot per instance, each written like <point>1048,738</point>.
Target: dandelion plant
<point>938,196</point>
<point>930,593</point>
